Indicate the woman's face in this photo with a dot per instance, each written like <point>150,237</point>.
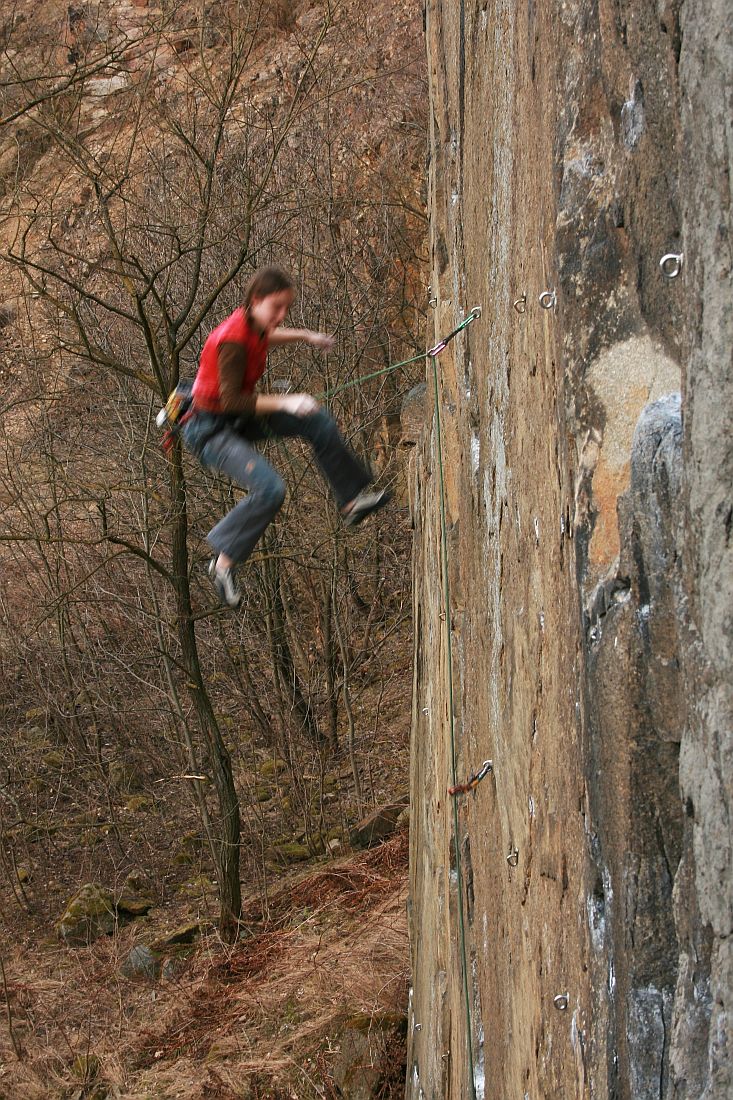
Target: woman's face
<point>269,312</point>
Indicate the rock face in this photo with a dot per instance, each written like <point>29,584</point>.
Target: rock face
<point>570,917</point>
<point>637,717</point>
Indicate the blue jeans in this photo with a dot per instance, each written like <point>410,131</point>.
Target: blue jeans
<point>225,443</point>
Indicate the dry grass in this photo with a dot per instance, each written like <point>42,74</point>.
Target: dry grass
<point>259,1020</point>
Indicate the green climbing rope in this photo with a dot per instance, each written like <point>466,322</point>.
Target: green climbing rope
<point>374,374</point>
<point>432,354</point>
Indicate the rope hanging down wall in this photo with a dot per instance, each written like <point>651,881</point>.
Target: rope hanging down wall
<point>457,788</point>
<point>433,355</point>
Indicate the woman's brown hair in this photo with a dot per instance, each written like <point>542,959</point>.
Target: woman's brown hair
<point>266,280</point>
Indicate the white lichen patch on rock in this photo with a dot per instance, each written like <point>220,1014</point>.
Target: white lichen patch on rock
<point>624,378</point>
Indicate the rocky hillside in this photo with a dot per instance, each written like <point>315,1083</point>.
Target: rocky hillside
<point>571,916</point>
<point>185,905</point>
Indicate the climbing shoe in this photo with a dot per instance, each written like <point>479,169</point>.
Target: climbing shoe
<point>364,505</point>
<point>225,585</point>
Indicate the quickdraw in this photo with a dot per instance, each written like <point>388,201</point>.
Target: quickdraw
<point>443,343</point>
<point>473,781</point>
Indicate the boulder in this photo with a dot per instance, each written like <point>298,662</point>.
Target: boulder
<point>200,886</point>
<point>289,851</point>
<point>90,913</point>
<point>96,910</point>
<point>272,768</point>
<point>136,898</point>
<point>165,958</point>
<point>371,1049</point>
<point>378,825</point>
<point>183,936</point>
<point>141,963</point>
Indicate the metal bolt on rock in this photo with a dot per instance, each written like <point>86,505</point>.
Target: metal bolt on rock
<point>561,1002</point>
<point>671,264</point>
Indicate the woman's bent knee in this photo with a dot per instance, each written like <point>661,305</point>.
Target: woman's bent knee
<point>320,426</point>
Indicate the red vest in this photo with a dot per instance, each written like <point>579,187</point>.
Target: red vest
<point>235,330</point>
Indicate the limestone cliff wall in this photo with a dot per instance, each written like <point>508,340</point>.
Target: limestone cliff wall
<point>588,473</point>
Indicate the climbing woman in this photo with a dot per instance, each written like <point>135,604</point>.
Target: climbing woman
<point>228,417</point>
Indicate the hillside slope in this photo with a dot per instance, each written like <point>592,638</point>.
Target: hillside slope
<point>151,158</point>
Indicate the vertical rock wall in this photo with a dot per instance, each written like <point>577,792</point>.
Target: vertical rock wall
<point>573,939</point>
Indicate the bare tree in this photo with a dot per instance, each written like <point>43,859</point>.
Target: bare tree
<point>162,194</point>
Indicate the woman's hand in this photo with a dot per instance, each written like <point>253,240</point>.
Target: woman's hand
<point>298,404</point>
<point>321,340</point>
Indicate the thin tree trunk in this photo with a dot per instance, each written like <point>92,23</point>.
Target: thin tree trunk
<point>221,764</point>
<point>341,635</point>
<point>9,1012</point>
<point>293,697</point>
<point>329,658</point>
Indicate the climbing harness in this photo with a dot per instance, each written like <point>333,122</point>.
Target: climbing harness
<point>473,781</point>
<point>175,413</point>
